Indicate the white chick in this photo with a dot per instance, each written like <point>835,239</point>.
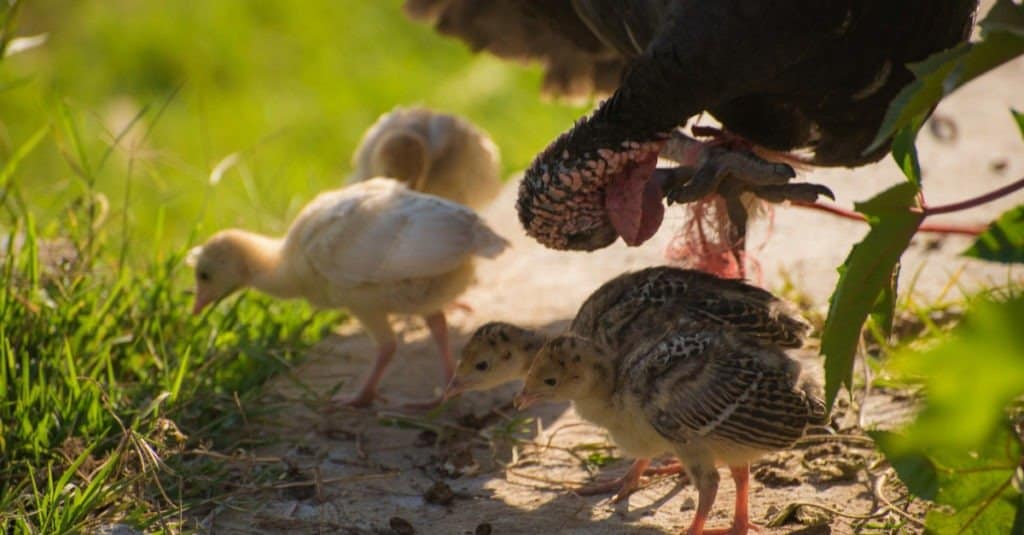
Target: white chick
<point>376,248</point>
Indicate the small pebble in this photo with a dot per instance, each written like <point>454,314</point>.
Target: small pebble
<point>482,529</point>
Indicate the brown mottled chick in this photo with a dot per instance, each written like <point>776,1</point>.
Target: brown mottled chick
<point>618,316</point>
<point>702,391</point>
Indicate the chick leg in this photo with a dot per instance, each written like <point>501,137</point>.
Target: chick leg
<point>380,329</point>
<point>741,518</point>
<point>368,390</point>
<point>629,483</point>
<point>706,478</point>
<point>438,326</point>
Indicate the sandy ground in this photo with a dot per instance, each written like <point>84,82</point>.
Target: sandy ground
<point>454,473</point>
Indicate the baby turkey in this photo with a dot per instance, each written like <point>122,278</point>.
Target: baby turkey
<point>375,247</point>
<point>617,317</point>
<point>702,391</point>
<point>431,152</point>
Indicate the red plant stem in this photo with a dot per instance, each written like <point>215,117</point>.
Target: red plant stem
<point>976,201</point>
<point>940,228</point>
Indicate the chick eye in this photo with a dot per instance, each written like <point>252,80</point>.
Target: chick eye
<point>550,381</point>
<point>482,365</point>
<point>203,276</point>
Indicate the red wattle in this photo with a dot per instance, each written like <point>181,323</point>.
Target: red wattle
<point>633,202</point>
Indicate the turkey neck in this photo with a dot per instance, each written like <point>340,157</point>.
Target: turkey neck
<point>264,258</point>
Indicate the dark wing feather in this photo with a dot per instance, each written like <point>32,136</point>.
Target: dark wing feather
<point>629,305</point>
<point>576,62</point>
<point>700,382</point>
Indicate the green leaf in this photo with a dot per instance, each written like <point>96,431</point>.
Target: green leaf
<point>915,469</point>
<point>970,377</point>
<point>1018,117</point>
<point>904,150</point>
<point>945,72</point>
<point>1005,15</point>
<point>976,485</point>
<point>883,312</point>
<point>864,275</point>
<point>1003,240</point>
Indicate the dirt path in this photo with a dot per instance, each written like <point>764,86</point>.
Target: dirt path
<point>370,470</point>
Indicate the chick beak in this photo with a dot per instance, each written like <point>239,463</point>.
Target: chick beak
<point>454,389</point>
<point>200,304</point>
<point>524,400</point>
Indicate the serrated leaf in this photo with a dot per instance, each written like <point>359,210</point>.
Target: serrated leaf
<point>915,469</point>
<point>883,313</point>
<point>1003,240</point>
<point>904,150</point>
<point>944,72</point>
<point>865,273</point>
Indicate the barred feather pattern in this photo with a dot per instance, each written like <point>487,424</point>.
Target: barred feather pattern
<point>701,383</point>
<point>634,306</point>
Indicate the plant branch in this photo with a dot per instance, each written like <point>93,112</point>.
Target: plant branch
<point>975,201</point>
<point>938,228</point>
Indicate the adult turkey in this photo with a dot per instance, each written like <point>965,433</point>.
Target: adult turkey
<point>781,76</point>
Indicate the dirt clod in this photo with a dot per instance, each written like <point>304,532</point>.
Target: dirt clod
<point>812,516</point>
<point>482,529</point>
<point>425,439</point>
<point>771,476</point>
<point>401,526</point>
<point>824,450</point>
<point>439,494</point>
<point>835,469</point>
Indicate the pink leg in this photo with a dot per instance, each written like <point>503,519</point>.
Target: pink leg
<point>741,518</point>
<point>368,390</point>
<point>459,305</point>
<point>629,483</point>
<point>706,479</point>
<point>623,486</point>
<point>438,327</point>
<point>439,330</point>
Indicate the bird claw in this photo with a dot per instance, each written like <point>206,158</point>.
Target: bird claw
<point>721,169</point>
<point>801,192</point>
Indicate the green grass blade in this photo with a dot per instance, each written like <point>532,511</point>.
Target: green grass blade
<point>20,153</point>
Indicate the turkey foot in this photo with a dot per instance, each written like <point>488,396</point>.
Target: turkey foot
<point>717,165</point>
<point>728,168</point>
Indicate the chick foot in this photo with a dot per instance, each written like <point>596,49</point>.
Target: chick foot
<point>735,529</point>
<point>367,392</point>
<point>361,400</point>
<point>629,483</point>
